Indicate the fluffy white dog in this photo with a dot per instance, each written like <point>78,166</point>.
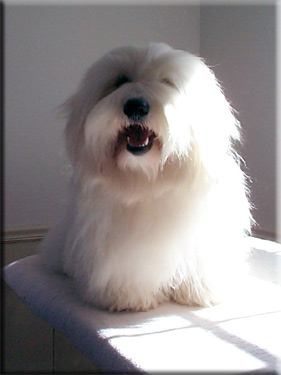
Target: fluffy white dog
<point>158,208</point>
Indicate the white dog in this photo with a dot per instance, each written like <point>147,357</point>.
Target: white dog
<point>158,208</point>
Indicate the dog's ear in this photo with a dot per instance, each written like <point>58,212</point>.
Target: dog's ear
<point>76,110</point>
<point>214,125</point>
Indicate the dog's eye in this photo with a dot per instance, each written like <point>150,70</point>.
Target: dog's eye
<point>114,85</point>
<point>121,81</point>
<point>168,82</point>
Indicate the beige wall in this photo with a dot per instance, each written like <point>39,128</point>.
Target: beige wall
<point>239,42</point>
<point>47,50</point>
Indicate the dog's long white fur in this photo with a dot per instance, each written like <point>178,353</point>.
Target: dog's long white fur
<point>168,224</point>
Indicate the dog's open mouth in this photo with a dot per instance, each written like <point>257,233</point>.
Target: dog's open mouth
<point>139,139</point>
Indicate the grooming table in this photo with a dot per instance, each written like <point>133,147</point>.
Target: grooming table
<point>240,335</point>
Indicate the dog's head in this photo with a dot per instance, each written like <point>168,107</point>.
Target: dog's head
<point>146,115</point>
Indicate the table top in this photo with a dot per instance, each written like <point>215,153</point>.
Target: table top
<point>238,335</point>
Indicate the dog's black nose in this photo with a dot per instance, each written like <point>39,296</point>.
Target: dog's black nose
<point>136,108</point>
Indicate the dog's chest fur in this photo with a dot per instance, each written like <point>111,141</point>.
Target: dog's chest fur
<point>112,240</point>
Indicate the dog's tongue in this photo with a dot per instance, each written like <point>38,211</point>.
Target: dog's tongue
<point>138,136</point>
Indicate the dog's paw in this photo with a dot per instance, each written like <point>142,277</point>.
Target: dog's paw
<point>193,295</point>
<point>130,305</point>
<point>129,300</point>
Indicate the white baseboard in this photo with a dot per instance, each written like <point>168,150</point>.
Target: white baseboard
<point>24,235</point>
<point>265,233</point>
<point>37,234</point>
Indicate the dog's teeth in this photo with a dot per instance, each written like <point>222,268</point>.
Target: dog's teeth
<point>145,143</point>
